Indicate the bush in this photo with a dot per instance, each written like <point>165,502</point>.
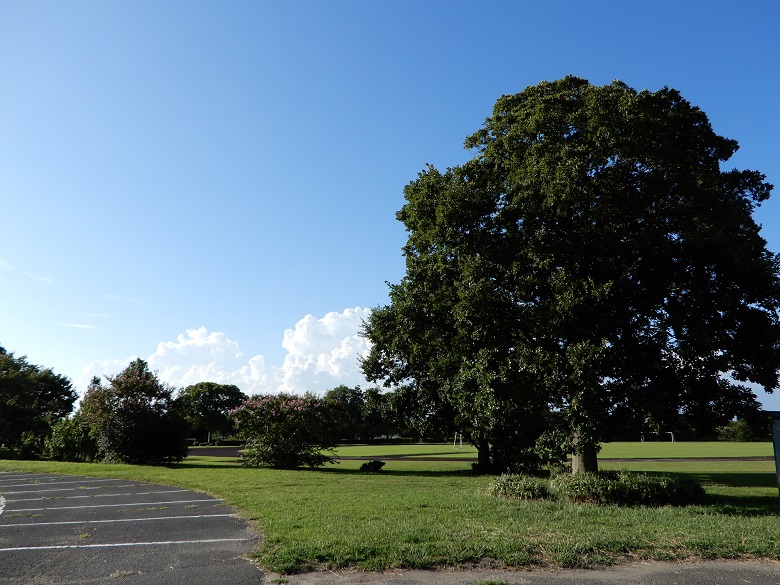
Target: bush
<point>619,488</point>
<point>70,440</point>
<point>133,420</point>
<point>622,488</point>
<point>519,487</point>
<point>372,466</point>
<point>741,430</point>
<point>229,443</point>
<point>284,431</point>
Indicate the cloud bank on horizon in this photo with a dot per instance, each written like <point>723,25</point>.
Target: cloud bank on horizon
<point>322,353</point>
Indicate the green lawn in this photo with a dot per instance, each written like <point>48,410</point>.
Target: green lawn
<point>668,450</point>
<point>650,450</point>
<point>413,450</point>
<point>421,513</point>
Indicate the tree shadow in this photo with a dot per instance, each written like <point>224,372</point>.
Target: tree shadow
<point>401,472</point>
<point>735,479</point>
<point>224,464</point>
<point>332,469</point>
<point>746,506</point>
<point>733,505</point>
<point>412,456</point>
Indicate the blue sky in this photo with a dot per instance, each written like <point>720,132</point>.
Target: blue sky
<point>212,186</point>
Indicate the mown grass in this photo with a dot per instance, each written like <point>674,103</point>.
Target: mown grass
<point>648,449</point>
<point>423,514</point>
<point>669,450</point>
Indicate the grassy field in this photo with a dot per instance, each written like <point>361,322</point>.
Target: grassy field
<point>651,450</point>
<point>420,514</point>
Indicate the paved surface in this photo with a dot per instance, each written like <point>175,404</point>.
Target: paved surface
<point>703,573</point>
<point>58,529</point>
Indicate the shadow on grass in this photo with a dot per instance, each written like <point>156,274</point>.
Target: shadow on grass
<point>331,469</point>
<point>735,505</point>
<point>735,479</point>
<point>743,505</point>
<point>414,456</point>
<point>223,464</point>
<point>401,472</point>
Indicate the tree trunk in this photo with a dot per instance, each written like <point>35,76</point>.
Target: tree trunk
<point>586,460</point>
<point>484,464</point>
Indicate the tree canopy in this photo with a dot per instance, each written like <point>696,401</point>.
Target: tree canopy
<point>206,405</point>
<point>32,398</point>
<point>132,418</point>
<point>591,264</point>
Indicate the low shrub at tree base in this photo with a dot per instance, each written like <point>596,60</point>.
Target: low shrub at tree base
<point>618,488</point>
<point>519,487</point>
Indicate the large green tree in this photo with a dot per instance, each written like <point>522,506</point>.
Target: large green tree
<point>32,398</point>
<point>345,407</point>
<point>133,419</point>
<point>592,261</point>
<point>206,405</point>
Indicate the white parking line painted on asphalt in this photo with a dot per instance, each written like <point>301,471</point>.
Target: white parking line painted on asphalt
<point>117,520</point>
<point>50,498</point>
<point>100,487</point>
<point>122,544</point>
<point>7,474</point>
<point>2,504</point>
<point>52,483</point>
<point>112,505</point>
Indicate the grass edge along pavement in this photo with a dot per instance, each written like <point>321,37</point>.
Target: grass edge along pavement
<point>427,514</point>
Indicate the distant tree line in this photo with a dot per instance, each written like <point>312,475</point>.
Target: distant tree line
<point>132,417</point>
<point>135,418</point>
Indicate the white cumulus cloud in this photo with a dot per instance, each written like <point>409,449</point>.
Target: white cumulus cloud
<point>321,354</point>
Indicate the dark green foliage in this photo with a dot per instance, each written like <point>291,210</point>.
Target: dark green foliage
<point>627,489</point>
<point>758,429</point>
<point>345,407</point>
<point>71,440</point>
<point>32,398</point>
<point>591,260</point>
<point>372,466</point>
<point>205,407</point>
<point>618,488</point>
<point>379,417</point>
<point>519,487</point>
<point>284,431</point>
<point>417,413</point>
<point>357,415</point>
<point>132,418</point>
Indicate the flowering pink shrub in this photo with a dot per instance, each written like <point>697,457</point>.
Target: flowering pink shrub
<point>285,431</point>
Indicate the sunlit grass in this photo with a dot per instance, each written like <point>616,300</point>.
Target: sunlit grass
<point>660,449</point>
<point>416,450</point>
<point>624,450</point>
<point>420,514</point>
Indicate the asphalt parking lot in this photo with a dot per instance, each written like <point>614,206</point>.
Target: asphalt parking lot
<point>58,529</point>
